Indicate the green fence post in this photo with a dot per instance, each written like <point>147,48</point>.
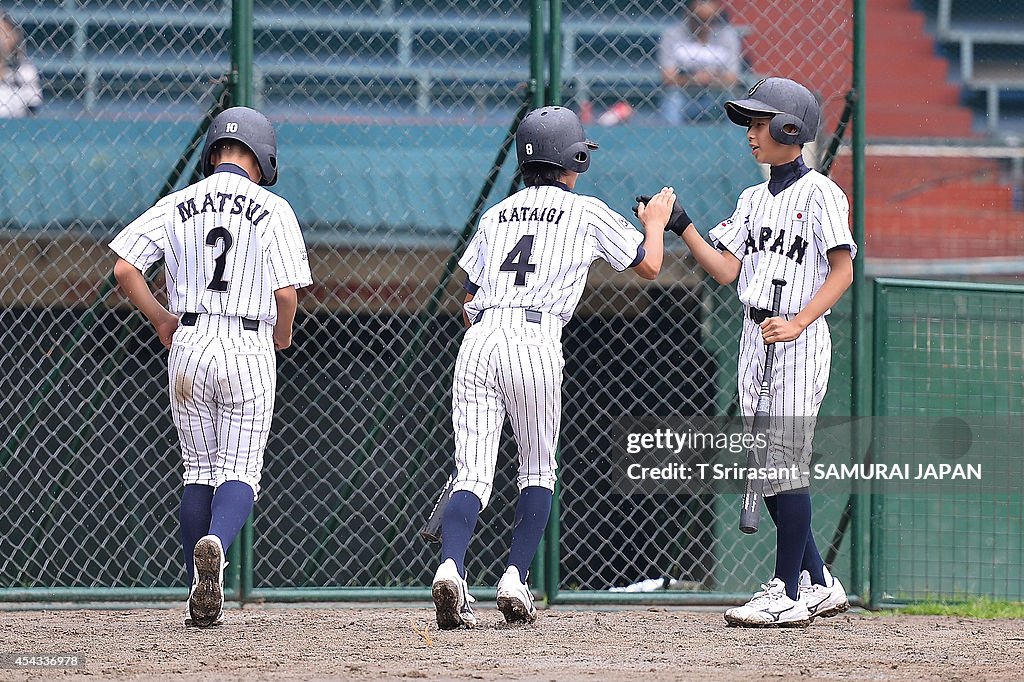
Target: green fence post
<point>550,555</point>
<point>537,47</point>
<point>875,540</point>
<point>242,52</point>
<point>537,52</point>
<point>554,88</point>
<point>240,556</point>
<point>245,584</point>
<point>860,359</point>
<point>552,573</point>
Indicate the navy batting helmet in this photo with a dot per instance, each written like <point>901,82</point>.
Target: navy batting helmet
<point>252,129</point>
<point>553,135</point>
<point>787,102</point>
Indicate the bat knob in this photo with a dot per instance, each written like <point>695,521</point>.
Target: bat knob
<point>430,537</point>
<point>779,282</point>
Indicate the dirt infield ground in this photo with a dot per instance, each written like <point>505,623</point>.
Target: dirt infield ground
<point>279,643</point>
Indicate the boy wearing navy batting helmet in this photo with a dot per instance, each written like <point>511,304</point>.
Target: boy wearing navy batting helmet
<point>794,227</point>
<point>526,269</point>
<point>234,256</point>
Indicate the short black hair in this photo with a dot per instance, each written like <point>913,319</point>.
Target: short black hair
<point>233,146</point>
<point>538,173</point>
<point>229,143</point>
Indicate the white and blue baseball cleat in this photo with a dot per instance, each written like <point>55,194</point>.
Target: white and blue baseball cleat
<point>452,598</point>
<point>206,600</point>
<point>770,608</point>
<point>823,601</point>
<point>515,601</point>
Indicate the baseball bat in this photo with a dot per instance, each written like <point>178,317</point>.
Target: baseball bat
<point>431,531</point>
<point>757,456</point>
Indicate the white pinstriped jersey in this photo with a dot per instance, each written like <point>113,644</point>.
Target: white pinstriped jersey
<point>227,245</point>
<point>533,250</point>
<point>786,236</point>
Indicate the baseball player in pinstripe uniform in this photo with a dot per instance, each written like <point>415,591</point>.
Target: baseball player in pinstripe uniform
<point>794,227</point>
<point>233,256</point>
<point>526,268</point>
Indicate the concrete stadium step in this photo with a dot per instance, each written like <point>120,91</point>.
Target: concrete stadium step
<point>898,178</point>
<point>908,88</point>
<point>938,122</point>
<point>931,71</point>
<point>977,195</point>
<point>943,232</point>
<point>903,24</point>
<point>920,93</point>
<point>937,208</point>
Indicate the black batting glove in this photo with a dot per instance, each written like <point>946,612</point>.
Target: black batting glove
<point>678,221</point>
<point>641,199</point>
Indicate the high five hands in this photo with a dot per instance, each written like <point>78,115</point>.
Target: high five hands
<point>677,222</point>
<point>659,207</point>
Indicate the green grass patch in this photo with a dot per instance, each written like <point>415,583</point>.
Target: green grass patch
<point>981,607</point>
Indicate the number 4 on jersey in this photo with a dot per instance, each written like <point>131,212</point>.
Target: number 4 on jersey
<point>518,260</point>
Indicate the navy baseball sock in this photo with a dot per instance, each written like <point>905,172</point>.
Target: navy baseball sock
<point>532,512</point>
<point>194,515</point>
<point>793,522</point>
<point>773,508</point>
<point>457,527</point>
<point>812,561</point>
<point>232,504</point>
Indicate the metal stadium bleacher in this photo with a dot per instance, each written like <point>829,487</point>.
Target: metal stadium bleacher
<point>985,42</point>
<point>343,57</point>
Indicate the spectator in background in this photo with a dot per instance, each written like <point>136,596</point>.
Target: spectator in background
<point>700,60</point>
<point>20,92</point>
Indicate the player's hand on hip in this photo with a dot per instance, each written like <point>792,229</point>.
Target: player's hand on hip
<point>282,338</point>
<point>165,327</point>
<point>780,330</point>
<point>658,210</point>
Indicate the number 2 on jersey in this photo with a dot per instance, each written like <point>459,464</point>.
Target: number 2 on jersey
<point>219,234</point>
<point>518,260</point>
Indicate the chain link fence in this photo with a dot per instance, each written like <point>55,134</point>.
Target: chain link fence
<point>948,359</point>
<point>98,101</point>
<point>391,120</point>
<point>391,116</point>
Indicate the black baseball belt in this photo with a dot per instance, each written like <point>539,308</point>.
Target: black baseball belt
<point>248,323</point>
<point>759,315</point>
<point>531,315</point>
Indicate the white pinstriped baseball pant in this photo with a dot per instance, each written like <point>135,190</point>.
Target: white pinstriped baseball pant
<point>799,380</point>
<point>507,366</point>
<point>222,384</point>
